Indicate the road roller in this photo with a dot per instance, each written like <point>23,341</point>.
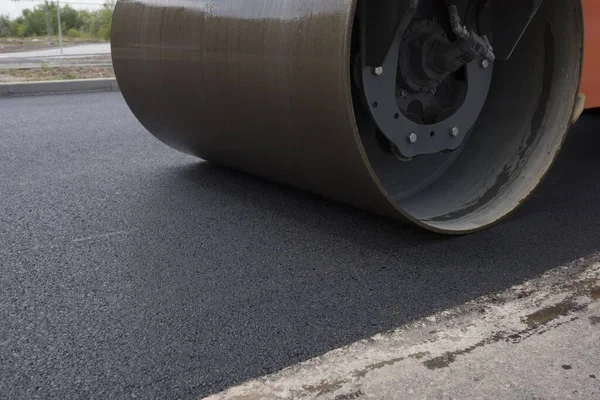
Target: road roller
<point>590,85</point>
<point>443,113</point>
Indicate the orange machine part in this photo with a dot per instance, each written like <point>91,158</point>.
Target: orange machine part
<point>590,85</point>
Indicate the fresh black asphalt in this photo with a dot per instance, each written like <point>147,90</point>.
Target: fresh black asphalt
<point>129,270</point>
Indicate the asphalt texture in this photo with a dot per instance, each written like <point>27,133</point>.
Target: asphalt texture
<point>129,270</point>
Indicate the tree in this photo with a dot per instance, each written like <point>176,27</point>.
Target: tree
<point>34,22</point>
<point>39,20</point>
<point>69,18</point>
<point>5,26</point>
<point>105,20</point>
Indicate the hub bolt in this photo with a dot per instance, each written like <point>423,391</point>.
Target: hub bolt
<point>378,70</point>
<point>403,93</point>
<point>454,132</point>
<point>412,138</point>
<point>485,64</point>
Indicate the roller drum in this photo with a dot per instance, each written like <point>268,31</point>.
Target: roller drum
<point>268,87</point>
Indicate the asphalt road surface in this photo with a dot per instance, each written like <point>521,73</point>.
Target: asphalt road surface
<point>129,270</point>
<point>68,51</point>
<point>82,55</point>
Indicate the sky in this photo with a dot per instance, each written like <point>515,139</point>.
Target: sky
<point>13,8</point>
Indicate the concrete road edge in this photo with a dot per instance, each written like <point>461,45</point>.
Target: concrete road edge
<point>55,87</point>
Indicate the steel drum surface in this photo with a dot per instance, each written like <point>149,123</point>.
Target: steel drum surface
<point>259,85</point>
<point>264,86</point>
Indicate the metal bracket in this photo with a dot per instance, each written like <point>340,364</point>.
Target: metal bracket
<point>411,138</point>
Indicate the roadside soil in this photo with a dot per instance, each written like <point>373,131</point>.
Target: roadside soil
<point>55,73</point>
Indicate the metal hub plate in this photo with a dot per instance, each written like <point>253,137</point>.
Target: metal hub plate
<point>410,137</point>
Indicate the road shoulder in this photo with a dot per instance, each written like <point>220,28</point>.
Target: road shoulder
<point>531,341</point>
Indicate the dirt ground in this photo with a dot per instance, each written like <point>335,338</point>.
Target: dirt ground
<point>55,73</point>
<point>12,45</point>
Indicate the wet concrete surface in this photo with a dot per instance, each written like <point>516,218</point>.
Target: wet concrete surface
<point>130,270</point>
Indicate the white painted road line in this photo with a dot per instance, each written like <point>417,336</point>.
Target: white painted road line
<point>540,339</point>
